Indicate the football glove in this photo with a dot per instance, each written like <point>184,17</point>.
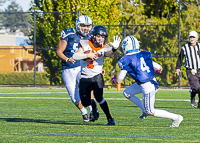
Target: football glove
<point>114,79</point>
<point>158,71</point>
<point>116,42</point>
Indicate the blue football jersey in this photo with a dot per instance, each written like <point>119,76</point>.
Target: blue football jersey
<point>72,37</point>
<point>139,66</point>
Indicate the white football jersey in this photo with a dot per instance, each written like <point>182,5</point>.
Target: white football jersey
<point>91,69</point>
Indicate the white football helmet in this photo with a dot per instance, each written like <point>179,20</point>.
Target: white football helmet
<point>130,44</point>
<point>85,20</point>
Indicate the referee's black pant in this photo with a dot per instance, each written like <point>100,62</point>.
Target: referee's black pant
<point>194,80</point>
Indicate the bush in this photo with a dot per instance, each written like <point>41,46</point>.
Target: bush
<point>23,78</point>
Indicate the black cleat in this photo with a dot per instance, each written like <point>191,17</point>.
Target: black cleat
<point>91,118</point>
<point>94,115</point>
<point>192,99</point>
<point>111,122</point>
<point>85,118</point>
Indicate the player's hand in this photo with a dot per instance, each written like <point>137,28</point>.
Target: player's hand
<point>158,70</point>
<point>116,42</point>
<point>92,55</point>
<point>178,71</point>
<point>114,79</point>
<point>71,61</point>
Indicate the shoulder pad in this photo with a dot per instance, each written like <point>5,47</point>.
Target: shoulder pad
<point>67,32</point>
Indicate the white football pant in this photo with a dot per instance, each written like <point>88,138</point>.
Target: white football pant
<point>148,91</point>
<point>148,95</point>
<point>71,79</point>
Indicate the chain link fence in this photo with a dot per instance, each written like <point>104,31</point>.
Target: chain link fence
<point>24,59</point>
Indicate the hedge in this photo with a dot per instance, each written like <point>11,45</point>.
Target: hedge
<point>23,78</point>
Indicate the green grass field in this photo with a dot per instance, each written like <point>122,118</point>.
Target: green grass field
<point>48,116</point>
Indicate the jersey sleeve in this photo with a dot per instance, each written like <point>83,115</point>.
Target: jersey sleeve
<point>107,47</point>
<point>66,32</point>
<point>120,63</point>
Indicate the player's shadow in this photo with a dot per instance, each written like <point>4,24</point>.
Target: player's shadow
<point>44,121</point>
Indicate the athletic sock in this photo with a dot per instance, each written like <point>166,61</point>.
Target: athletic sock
<point>90,108</point>
<point>104,107</point>
<point>94,105</point>
<point>83,111</point>
<point>138,102</point>
<point>165,114</point>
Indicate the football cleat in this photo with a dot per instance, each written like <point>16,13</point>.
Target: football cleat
<point>175,123</point>
<point>94,115</point>
<point>193,102</point>
<point>111,122</point>
<point>85,118</point>
<point>143,116</point>
<point>91,118</point>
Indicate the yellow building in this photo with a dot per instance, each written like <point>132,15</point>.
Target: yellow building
<point>18,59</point>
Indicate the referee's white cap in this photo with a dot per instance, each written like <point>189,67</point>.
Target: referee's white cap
<point>193,33</point>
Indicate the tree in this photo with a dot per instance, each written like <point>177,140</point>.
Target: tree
<point>50,25</point>
<point>2,2</point>
<point>16,21</point>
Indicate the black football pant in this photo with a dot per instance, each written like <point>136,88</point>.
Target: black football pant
<point>86,85</point>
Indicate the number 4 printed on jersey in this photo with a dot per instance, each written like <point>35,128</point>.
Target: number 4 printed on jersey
<point>143,65</point>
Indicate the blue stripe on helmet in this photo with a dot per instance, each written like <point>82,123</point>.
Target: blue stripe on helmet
<point>86,18</point>
<point>133,41</point>
<point>134,46</point>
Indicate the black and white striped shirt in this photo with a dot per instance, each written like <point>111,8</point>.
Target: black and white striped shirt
<point>192,56</point>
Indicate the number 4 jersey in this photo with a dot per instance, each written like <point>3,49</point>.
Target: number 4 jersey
<point>72,37</point>
<point>139,66</point>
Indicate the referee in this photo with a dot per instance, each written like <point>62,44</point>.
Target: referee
<point>191,52</point>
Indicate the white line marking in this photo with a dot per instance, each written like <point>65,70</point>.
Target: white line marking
<point>69,98</point>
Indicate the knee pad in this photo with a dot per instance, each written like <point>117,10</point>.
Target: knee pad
<point>127,95</point>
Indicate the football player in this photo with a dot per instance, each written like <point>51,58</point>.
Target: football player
<point>67,46</point>
<point>91,70</point>
<point>139,65</point>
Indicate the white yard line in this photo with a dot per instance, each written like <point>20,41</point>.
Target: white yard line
<point>69,98</point>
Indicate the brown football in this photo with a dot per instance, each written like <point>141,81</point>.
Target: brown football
<point>86,52</point>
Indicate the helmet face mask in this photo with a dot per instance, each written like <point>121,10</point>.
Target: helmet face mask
<point>83,25</point>
<point>99,35</point>
<point>130,44</point>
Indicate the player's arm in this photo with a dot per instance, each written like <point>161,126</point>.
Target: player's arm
<point>61,47</point>
<point>179,62</point>
<point>80,55</point>
<point>157,67</point>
